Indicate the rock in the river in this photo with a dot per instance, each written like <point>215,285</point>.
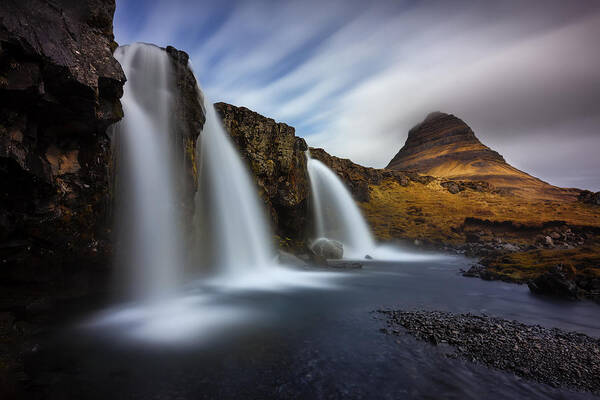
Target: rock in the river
<point>276,158</point>
<point>556,282</point>
<point>327,248</point>
<point>59,91</point>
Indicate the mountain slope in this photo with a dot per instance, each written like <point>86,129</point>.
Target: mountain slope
<point>445,146</point>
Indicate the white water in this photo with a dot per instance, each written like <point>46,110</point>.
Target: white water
<point>336,214</point>
<point>232,231</point>
<point>149,234</point>
<point>233,251</point>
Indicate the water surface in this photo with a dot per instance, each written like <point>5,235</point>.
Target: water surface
<point>308,342</point>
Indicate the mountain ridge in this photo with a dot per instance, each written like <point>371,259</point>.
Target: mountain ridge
<point>444,145</point>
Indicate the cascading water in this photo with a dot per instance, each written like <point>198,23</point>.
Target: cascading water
<point>228,212</point>
<point>147,213</point>
<point>232,235</point>
<point>336,214</point>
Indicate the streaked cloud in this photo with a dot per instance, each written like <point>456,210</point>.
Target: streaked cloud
<point>354,76</point>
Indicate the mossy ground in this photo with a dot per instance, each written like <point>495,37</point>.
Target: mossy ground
<point>523,266</point>
<point>431,213</point>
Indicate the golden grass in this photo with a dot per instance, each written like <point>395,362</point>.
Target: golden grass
<point>527,265</point>
<point>430,212</point>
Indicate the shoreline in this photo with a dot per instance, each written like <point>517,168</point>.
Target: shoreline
<point>547,355</point>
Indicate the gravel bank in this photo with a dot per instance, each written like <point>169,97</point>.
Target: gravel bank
<point>550,356</point>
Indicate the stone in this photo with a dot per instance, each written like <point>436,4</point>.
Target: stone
<point>555,282</point>
<point>327,248</point>
<point>289,259</point>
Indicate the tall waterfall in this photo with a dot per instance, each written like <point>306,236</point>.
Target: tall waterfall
<point>150,254</point>
<point>232,229</point>
<point>336,214</point>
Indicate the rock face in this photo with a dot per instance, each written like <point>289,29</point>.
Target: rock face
<point>189,120</point>
<point>445,146</point>
<point>276,158</point>
<point>59,91</point>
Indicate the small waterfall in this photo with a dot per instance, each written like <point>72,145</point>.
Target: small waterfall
<point>147,222</point>
<point>233,234</point>
<point>336,214</point>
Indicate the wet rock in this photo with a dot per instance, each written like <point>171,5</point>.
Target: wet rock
<point>275,156</point>
<point>286,258</point>
<point>59,91</point>
<point>549,356</point>
<point>327,248</point>
<point>555,282</point>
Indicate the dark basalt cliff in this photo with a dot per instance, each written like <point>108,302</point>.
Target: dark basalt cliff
<point>59,91</point>
<point>445,146</point>
<point>277,160</point>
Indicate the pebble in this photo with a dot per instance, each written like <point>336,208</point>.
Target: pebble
<point>550,356</point>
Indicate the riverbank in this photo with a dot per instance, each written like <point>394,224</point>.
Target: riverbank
<point>550,356</point>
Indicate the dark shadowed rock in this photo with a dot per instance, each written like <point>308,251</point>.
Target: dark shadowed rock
<point>556,282</point>
<point>589,197</point>
<point>59,91</point>
<point>276,158</point>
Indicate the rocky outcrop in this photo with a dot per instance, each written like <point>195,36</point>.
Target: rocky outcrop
<point>445,146</point>
<point>189,119</point>
<point>588,197</point>
<point>59,91</point>
<point>276,158</point>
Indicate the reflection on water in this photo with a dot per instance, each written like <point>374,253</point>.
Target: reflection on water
<point>299,340</point>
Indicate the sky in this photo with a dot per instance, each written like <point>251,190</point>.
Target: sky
<point>354,76</point>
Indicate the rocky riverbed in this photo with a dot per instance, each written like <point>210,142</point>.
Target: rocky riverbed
<point>551,356</point>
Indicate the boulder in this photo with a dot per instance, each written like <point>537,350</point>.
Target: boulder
<point>327,248</point>
<point>555,282</point>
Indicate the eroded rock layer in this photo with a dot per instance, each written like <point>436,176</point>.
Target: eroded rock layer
<point>445,146</point>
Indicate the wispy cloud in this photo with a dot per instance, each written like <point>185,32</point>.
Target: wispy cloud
<point>354,76</point>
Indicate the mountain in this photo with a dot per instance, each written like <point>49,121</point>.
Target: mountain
<point>445,146</point>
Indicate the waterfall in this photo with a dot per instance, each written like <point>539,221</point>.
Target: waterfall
<point>232,231</point>
<point>336,214</point>
<point>232,239</point>
<point>149,236</point>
